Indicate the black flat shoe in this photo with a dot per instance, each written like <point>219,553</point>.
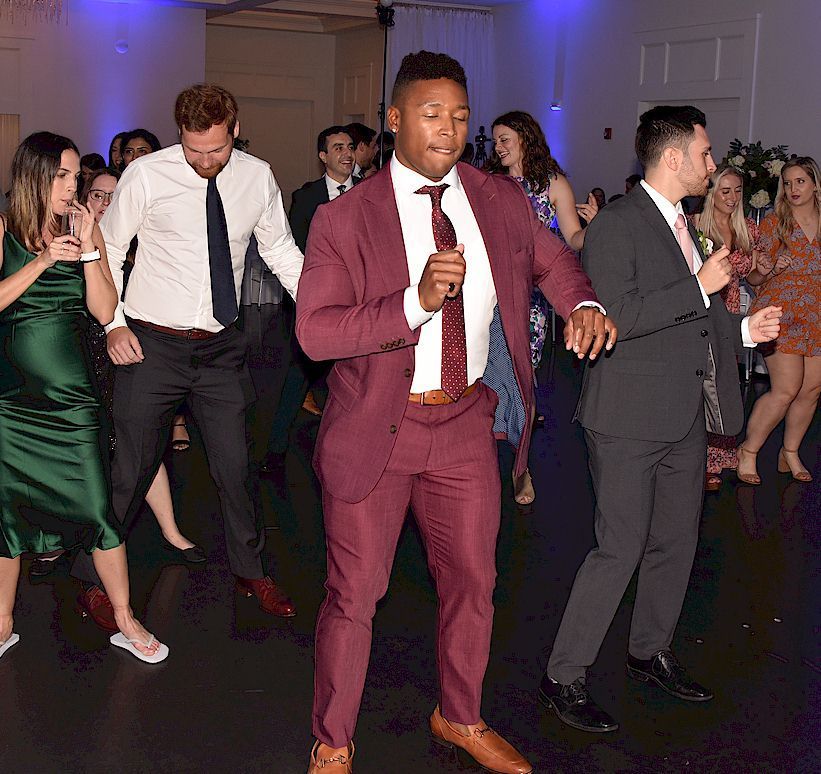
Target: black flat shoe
<point>573,705</point>
<point>193,555</point>
<point>42,568</point>
<point>665,671</point>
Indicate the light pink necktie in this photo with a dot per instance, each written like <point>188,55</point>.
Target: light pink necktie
<point>684,240</point>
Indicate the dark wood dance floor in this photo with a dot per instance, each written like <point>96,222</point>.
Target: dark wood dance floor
<point>235,693</point>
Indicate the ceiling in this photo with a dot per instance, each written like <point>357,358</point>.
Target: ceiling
<point>306,15</point>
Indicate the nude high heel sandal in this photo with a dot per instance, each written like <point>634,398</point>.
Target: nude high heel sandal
<point>799,472</point>
<point>753,478</point>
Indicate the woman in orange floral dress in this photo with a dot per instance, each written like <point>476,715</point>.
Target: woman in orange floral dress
<point>791,260</point>
<point>722,221</point>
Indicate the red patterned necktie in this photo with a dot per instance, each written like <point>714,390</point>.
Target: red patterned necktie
<point>454,345</point>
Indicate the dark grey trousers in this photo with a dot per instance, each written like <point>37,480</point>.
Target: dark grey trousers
<point>649,497</point>
<point>212,377</point>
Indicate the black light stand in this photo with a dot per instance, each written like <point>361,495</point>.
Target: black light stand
<point>384,13</point>
<point>480,159</point>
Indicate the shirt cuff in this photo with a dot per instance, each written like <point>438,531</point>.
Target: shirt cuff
<point>414,313</point>
<point>590,303</point>
<point>704,296</point>
<point>746,339</point>
<point>118,321</point>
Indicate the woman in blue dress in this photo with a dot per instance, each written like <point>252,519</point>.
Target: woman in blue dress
<point>521,150</point>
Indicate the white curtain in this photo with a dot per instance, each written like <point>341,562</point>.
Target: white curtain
<point>467,36</point>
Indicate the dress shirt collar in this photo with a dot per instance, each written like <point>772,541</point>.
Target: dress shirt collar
<point>176,154</point>
<point>333,186</point>
<point>407,182</point>
<point>669,210</point>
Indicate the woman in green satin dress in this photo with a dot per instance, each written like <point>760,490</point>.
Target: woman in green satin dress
<point>53,492</point>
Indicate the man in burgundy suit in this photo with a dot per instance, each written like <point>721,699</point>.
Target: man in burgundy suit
<point>400,282</point>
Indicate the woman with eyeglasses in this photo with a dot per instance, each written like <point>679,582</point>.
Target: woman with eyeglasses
<point>98,195</point>
<point>53,490</point>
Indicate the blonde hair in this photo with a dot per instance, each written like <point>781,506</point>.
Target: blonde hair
<point>706,219</point>
<point>785,222</point>
<point>33,169</point>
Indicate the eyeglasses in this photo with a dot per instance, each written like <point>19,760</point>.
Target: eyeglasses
<point>100,196</point>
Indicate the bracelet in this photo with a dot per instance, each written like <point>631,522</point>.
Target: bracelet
<point>90,257</point>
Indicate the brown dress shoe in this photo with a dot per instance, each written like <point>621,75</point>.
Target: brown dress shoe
<point>310,405</point>
<point>338,764</point>
<point>271,598</point>
<point>483,747</point>
<point>94,602</point>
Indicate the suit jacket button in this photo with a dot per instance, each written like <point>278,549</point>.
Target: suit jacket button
<point>699,373</point>
<point>401,341</point>
<point>705,333</point>
<point>392,429</point>
<point>383,347</point>
<point>408,372</point>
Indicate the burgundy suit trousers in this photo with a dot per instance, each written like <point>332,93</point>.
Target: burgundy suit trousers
<point>444,465</point>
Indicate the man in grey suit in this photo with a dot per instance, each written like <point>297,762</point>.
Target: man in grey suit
<point>644,408</point>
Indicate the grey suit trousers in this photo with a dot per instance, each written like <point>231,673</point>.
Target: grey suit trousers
<point>649,496</point>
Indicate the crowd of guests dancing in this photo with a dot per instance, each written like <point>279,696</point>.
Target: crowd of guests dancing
<point>119,289</point>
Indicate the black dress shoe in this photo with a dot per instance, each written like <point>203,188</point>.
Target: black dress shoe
<point>665,670</point>
<point>193,555</point>
<point>573,705</point>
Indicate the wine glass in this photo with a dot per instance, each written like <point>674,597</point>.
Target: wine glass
<point>72,223</point>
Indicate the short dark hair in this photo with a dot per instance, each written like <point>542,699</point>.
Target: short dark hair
<point>203,105</point>
<point>360,133</point>
<point>322,137</point>
<point>93,161</point>
<point>633,179</point>
<point>144,134</point>
<point>427,66</point>
<point>663,126</point>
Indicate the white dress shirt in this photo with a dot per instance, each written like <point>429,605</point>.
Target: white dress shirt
<point>670,212</point>
<point>161,200</point>
<point>333,186</point>
<point>478,290</point>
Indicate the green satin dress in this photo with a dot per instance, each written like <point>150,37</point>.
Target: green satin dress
<point>53,489</point>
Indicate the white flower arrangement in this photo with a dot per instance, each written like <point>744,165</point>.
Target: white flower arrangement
<point>775,166</point>
<point>760,199</point>
<point>760,168</point>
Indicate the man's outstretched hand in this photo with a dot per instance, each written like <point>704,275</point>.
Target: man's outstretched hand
<point>587,331</point>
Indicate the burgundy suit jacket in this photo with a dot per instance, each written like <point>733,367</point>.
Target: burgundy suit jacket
<point>350,309</point>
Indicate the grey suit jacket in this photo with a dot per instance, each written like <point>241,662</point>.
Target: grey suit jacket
<point>672,354</point>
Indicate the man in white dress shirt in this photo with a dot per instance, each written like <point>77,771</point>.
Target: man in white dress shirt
<point>193,207</point>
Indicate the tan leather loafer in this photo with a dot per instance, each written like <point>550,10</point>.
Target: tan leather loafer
<point>484,747</point>
<point>340,763</point>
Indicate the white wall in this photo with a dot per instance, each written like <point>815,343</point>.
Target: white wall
<point>600,83</point>
<point>284,83</point>
<point>68,78</point>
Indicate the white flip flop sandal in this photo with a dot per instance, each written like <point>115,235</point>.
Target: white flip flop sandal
<point>119,640</point>
<point>12,640</point>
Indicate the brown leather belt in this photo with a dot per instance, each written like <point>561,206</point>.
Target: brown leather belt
<point>192,334</point>
<point>437,397</point>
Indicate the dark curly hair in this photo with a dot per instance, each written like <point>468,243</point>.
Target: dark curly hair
<point>538,165</point>
<point>427,66</point>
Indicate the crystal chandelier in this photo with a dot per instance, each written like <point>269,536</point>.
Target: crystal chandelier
<point>48,10</point>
